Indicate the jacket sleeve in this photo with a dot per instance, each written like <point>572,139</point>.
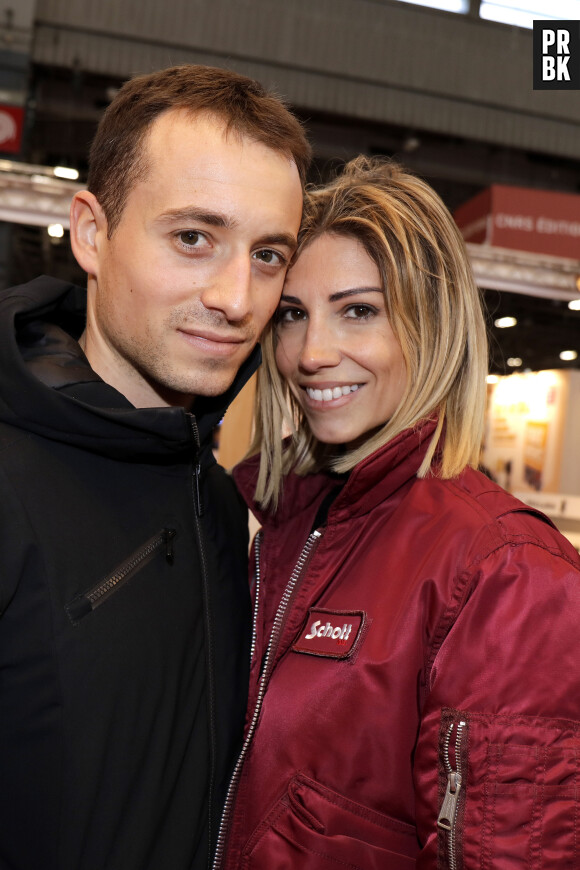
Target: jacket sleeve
<point>497,766</point>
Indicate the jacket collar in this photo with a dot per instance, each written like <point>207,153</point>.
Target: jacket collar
<point>40,323</point>
<point>372,481</point>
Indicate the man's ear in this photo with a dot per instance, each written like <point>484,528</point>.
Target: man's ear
<point>88,230</point>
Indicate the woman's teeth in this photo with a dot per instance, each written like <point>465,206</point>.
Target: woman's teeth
<point>328,394</point>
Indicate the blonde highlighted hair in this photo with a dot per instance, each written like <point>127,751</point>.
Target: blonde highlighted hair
<point>434,309</point>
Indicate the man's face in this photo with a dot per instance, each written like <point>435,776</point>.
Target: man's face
<point>195,267</point>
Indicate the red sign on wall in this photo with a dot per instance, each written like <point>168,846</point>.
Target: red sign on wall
<point>11,124</point>
<point>523,219</point>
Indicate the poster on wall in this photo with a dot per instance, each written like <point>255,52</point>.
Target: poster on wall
<point>525,430</point>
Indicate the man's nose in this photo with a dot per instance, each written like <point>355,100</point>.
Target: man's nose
<point>320,348</point>
<point>230,291</point>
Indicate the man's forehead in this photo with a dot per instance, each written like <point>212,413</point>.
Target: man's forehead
<point>191,158</point>
<point>207,130</point>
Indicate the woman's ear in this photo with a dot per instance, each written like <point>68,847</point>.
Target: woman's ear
<point>88,229</point>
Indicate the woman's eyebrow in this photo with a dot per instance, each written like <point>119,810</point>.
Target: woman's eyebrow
<point>334,297</point>
<point>353,291</point>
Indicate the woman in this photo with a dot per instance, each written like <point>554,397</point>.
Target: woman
<point>415,688</point>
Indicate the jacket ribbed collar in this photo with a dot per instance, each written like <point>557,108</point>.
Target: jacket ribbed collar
<point>372,481</point>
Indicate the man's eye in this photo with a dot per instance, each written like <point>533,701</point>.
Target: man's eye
<point>271,258</point>
<point>289,315</point>
<point>189,237</point>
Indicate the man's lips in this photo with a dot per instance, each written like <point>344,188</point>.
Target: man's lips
<point>213,342</point>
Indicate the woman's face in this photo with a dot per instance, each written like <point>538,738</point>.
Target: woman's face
<point>335,345</point>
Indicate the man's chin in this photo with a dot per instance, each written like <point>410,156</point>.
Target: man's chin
<point>185,394</point>
<point>215,388</point>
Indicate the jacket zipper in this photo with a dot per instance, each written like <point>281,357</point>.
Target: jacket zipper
<point>89,601</point>
<point>265,677</point>
<point>257,590</point>
<point>447,818</point>
<point>198,513</point>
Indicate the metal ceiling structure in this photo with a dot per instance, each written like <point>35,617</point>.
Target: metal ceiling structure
<point>33,195</point>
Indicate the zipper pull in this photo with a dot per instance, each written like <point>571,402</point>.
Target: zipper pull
<point>446,818</point>
<point>197,468</point>
<point>168,536</point>
<point>197,483</point>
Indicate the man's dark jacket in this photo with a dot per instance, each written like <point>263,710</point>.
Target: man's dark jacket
<point>123,608</point>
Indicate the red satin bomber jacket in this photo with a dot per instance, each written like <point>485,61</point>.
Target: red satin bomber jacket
<point>415,683</point>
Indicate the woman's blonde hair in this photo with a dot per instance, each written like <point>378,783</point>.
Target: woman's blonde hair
<point>434,309</point>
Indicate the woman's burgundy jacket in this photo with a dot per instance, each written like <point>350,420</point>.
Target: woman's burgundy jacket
<point>417,659</point>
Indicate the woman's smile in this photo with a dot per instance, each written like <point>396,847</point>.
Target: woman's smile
<point>325,394</point>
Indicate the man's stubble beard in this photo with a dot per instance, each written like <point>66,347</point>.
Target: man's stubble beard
<point>152,358</point>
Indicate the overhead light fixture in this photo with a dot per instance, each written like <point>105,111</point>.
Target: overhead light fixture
<point>514,361</point>
<point>568,355</point>
<point>411,144</point>
<point>66,172</point>
<point>492,379</point>
<point>447,5</point>
<point>505,322</point>
<point>55,231</point>
<point>574,304</point>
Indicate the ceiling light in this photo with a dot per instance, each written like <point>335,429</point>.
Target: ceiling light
<point>411,144</point>
<point>567,355</point>
<point>491,379</point>
<point>574,304</point>
<point>447,5</point>
<point>55,231</point>
<point>505,322</point>
<point>514,361</point>
<point>66,172</point>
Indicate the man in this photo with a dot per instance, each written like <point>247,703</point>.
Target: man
<point>124,613</point>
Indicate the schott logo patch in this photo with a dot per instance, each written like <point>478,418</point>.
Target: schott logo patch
<point>330,633</point>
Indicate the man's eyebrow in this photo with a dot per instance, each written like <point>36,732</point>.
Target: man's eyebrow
<point>353,291</point>
<point>197,215</point>
<point>285,239</point>
<point>216,219</point>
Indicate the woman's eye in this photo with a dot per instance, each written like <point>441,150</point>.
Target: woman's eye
<point>360,312</point>
<point>270,258</point>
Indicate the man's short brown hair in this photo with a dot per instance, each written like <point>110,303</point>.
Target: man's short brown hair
<point>116,160</point>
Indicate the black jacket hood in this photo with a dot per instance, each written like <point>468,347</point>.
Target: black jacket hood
<point>48,387</point>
